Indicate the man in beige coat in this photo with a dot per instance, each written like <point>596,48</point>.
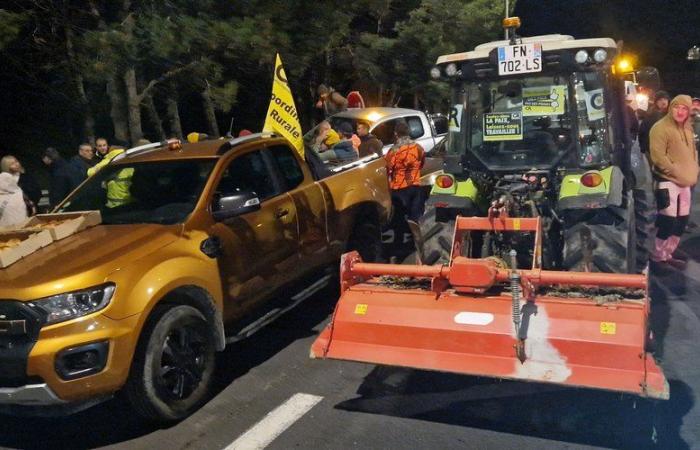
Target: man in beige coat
<point>675,166</point>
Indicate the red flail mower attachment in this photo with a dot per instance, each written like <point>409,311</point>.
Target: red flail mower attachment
<point>476,317</point>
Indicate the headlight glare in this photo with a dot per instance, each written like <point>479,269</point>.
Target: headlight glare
<point>451,69</point>
<point>71,305</point>
<point>435,73</point>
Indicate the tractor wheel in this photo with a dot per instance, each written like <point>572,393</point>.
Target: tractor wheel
<point>645,218</point>
<point>366,238</point>
<point>602,240</point>
<point>437,238</point>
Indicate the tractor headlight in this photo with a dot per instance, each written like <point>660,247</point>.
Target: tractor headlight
<point>435,73</point>
<point>71,305</point>
<point>600,55</point>
<point>581,56</point>
<point>451,69</point>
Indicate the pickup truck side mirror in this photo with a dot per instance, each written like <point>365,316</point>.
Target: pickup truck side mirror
<point>235,205</point>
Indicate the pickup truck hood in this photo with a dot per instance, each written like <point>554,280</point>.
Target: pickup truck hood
<point>82,260</point>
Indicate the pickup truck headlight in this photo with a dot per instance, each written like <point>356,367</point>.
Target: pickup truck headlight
<point>62,307</point>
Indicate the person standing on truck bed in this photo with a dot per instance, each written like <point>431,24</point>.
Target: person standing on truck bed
<point>404,162</point>
<point>330,101</point>
<point>675,166</point>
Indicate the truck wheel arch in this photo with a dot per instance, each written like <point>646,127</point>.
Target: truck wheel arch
<point>200,299</point>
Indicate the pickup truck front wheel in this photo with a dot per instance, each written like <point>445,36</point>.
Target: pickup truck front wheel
<point>173,365</point>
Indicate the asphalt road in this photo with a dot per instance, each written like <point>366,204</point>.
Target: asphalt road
<point>352,405</point>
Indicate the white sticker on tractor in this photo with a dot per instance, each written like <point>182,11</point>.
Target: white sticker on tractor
<point>473,318</point>
<point>544,362</point>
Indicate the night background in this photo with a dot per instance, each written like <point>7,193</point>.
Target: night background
<point>224,51</point>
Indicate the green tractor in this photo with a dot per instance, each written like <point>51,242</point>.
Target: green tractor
<point>539,127</point>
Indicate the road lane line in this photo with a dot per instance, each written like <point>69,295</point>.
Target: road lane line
<point>275,422</point>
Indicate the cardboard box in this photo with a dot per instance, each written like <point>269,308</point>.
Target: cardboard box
<point>29,242</point>
<point>62,225</point>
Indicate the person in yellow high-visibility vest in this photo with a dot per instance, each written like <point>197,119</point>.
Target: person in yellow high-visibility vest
<point>118,188</point>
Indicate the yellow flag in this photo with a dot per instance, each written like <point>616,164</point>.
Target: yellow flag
<point>282,117</point>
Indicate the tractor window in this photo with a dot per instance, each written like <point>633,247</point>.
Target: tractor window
<point>519,124</point>
<point>594,133</point>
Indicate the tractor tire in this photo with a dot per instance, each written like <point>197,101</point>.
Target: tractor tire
<point>366,239</point>
<point>602,241</point>
<point>173,365</point>
<point>645,224</point>
<point>437,238</point>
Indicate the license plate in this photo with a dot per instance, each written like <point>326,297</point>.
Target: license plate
<point>521,58</point>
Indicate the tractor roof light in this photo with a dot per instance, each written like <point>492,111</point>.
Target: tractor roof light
<point>600,55</point>
<point>435,73</point>
<point>581,56</point>
<point>451,69</point>
<point>511,22</point>
<point>444,181</point>
<point>591,179</point>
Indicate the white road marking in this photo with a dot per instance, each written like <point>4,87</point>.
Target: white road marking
<point>275,422</point>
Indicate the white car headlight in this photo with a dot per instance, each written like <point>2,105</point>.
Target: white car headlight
<point>62,307</point>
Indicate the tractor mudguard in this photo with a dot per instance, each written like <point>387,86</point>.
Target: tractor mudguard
<point>574,195</point>
<point>462,198</point>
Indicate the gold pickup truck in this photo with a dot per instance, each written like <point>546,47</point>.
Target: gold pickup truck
<point>203,237</point>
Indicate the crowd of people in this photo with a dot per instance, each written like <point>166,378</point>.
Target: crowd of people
<point>20,194</point>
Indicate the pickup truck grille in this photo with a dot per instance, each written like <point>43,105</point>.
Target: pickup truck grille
<point>19,330</point>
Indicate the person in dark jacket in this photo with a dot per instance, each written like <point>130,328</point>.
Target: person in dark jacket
<point>62,176</point>
<point>369,144</point>
<point>343,151</point>
<point>82,162</point>
<point>659,110</point>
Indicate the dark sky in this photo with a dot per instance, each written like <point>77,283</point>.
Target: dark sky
<point>659,32</point>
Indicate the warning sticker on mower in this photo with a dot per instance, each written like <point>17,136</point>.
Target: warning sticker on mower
<point>361,309</point>
<point>608,328</point>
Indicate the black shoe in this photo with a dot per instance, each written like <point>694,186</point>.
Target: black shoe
<point>676,263</point>
<point>660,268</point>
<point>680,254</point>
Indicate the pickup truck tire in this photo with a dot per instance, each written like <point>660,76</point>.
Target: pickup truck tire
<point>366,238</point>
<point>173,365</point>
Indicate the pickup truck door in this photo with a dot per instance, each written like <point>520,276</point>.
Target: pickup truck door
<point>260,248</point>
<point>312,205</point>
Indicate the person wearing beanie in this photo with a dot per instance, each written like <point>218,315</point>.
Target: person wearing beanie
<point>658,110</point>
<point>675,166</point>
<point>344,150</point>
<point>330,101</point>
<point>62,177</point>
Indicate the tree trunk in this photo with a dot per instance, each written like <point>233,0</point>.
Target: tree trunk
<point>416,101</point>
<point>173,114</point>
<point>133,105</point>
<point>154,117</point>
<point>117,111</point>
<point>213,127</point>
<point>78,81</point>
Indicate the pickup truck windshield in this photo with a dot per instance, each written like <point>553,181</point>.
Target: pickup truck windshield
<point>532,121</point>
<point>163,192</point>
